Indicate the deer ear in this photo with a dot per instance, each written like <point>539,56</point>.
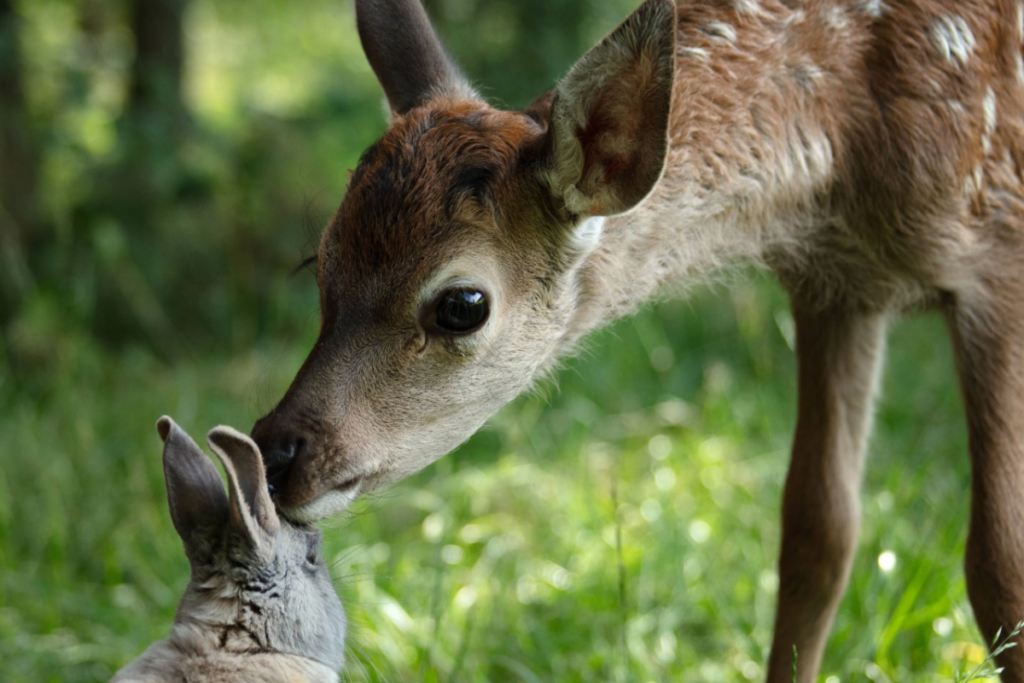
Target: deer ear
<point>608,136</point>
<point>406,54</point>
<point>195,492</point>
<point>252,510</point>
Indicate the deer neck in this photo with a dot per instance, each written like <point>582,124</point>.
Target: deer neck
<point>751,160</point>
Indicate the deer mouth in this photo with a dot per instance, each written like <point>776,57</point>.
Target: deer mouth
<point>325,504</point>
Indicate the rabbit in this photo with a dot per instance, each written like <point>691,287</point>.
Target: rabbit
<point>260,606</point>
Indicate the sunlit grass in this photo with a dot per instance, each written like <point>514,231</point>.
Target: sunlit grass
<point>620,526</point>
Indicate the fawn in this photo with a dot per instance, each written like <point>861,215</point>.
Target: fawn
<point>260,607</point>
<point>869,153</point>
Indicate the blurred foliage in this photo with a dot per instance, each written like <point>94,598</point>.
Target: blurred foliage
<point>620,526</point>
<point>153,196</point>
<point>147,208</point>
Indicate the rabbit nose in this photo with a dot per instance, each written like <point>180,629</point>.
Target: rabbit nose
<point>279,454</point>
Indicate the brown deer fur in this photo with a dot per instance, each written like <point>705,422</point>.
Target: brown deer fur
<point>867,152</point>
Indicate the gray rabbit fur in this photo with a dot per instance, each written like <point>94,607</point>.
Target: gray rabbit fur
<point>260,607</point>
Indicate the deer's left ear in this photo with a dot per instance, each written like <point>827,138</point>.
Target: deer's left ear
<point>609,120</point>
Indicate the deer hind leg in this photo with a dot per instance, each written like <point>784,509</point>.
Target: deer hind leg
<point>838,355</point>
<point>988,336</point>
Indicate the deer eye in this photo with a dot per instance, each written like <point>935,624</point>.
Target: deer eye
<point>462,310</point>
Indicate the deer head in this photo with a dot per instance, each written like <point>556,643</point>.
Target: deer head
<point>450,276</point>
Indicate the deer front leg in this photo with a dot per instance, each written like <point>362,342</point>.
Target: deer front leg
<point>838,356</point>
<point>988,337</point>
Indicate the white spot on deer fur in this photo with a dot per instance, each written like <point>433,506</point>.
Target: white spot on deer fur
<point>808,155</point>
<point>1020,22</point>
<point>874,8</point>
<point>972,183</point>
<point>818,154</point>
<point>747,6</point>
<point>698,53</point>
<point>953,39</point>
<point>988,106</point>
<point>807,75</point>
<point>1020,69</point>
<point>719,30</point>
<point>835,16</point>
<point>795,17</point>
<point>587,234</point>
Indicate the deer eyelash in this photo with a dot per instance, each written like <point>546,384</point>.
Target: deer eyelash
<point>306,263</point>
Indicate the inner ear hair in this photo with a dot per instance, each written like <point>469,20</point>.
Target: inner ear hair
<point>250,502</point>
<point>610,115</point>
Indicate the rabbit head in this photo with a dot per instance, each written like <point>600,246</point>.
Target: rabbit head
<point>259,583</point>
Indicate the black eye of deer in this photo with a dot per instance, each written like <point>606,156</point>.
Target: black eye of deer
<point>462,310</point>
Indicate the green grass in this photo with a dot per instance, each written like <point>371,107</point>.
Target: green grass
<point>620,524</point>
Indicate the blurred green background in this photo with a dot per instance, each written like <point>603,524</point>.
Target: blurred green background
<point>165,165</point>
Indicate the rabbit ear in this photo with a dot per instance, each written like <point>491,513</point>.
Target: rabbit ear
<point>195,491</point>
<point>252,510</point>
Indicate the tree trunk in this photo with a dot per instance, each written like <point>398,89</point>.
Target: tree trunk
<point>19,163</point>
<point>156,72</point>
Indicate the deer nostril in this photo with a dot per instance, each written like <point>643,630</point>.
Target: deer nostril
<point>279,459</point>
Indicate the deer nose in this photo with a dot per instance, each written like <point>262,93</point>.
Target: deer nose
<point>280,452</point>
